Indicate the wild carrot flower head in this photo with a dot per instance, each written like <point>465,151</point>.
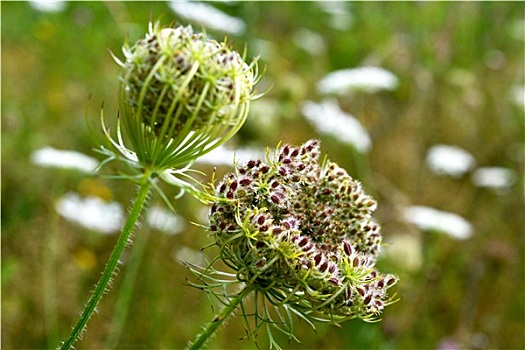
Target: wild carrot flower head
<point>301,232</point>
<point>182,94</point>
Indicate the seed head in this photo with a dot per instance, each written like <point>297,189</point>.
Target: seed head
<point>182,94</point>
<point>304,228</point>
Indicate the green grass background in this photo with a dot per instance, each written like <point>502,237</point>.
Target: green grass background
<point>457,63</point>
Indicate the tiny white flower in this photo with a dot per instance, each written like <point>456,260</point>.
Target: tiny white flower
<point>368,79</point>
<point>426,218</point>
<point>328,118</point>
<point>91,212</point>
<point>208,16</point>
<point>449,160</point>
<point>493,177</point>
<point>50,157</point>
<point>164,220</point>
<point>48,6</point>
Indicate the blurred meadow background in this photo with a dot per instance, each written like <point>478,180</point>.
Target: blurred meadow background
<point>423,102</point>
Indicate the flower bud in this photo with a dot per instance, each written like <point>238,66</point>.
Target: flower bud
<point>182,94</point>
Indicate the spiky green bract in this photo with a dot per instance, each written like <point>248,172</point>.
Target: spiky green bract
<point>300,234</point>
<point>182,94</point>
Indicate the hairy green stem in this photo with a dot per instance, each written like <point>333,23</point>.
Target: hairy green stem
<point>218,320</point>
<point>112,263</point>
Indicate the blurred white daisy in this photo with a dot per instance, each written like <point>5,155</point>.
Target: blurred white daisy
<point>310,41</point>
<point>368,79</point>
<point>497,178</point>
<point>50,157</point>
<point>328,118</point>
<point>164,220</point>
<point>208,16</point>
<point>341,18</point>
<point>427,219</point>
<point>449,160</point>
<point>224,156</point>
<point>91,212</point>
<point>48,6</point>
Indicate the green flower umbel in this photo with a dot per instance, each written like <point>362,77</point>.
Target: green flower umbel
<point>303,230</point>
<point>182,94</point>
<point>300,235</point>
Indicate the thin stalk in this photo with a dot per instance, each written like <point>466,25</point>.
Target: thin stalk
<point>112,263</point>
<point>203,337</point>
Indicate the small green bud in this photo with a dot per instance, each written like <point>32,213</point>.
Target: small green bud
<point>182,94</point>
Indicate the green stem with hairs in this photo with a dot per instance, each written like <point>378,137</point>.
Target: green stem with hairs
<point>203,337</point>
<point>111,266</point>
